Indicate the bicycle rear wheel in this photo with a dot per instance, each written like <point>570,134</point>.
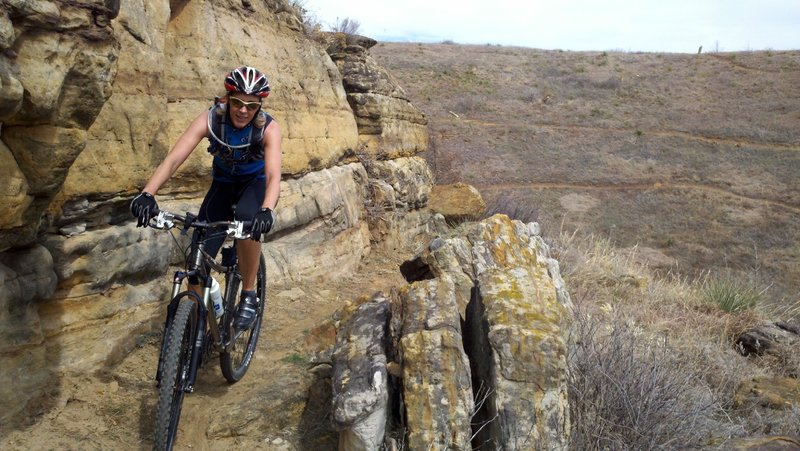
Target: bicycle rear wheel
<point>236,360</point>
<point>177,360</point>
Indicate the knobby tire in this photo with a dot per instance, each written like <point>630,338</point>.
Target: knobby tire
<point>177,359</point>
<point>236,361</point>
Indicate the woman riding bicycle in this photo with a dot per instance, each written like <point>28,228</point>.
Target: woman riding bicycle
<point>246,144</point>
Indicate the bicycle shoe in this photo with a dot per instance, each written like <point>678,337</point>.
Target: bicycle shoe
<point>247,312</point>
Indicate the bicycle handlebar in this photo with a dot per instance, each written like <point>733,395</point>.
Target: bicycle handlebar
<point>166,220</point>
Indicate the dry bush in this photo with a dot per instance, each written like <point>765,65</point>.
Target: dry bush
<point>629,390</point>
<point>653,364</point>
<point>312,27</point>
<point>756,421</point>
<point>670,303</point>
<point>347,26</point>
<point>514,209</point>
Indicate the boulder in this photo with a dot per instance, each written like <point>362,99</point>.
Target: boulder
<point>457,202</point>
<point>499,280</point>
<point>524,344</point>
<point>778,341</point>
<point>477,340</point>
<point>26,278</point>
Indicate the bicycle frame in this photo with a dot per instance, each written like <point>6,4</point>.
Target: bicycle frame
<point>198,265</point>
<point>192,329</point>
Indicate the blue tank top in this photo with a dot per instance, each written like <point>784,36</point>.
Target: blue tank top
<point>232,170</point>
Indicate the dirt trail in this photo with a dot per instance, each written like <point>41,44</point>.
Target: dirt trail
<point>711,140</point>
<point>114,408</point>
<point>639,187</point>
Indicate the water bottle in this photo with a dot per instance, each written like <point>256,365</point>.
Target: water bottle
<point>216,297</point>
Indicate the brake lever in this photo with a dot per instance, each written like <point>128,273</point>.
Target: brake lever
<point>164,221</point>
<point>237,230</point>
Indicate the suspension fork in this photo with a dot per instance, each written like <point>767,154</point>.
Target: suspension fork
<point>205,316</point>
<point>177,282</point>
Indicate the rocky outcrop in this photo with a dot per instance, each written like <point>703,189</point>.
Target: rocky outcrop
<point>480,339</point>
<point>778,342</point>
<point>58,61</point>
<point>389,126</point>
<point>93,94</point>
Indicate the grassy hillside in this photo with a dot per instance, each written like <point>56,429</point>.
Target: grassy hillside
<point>693,158</point>
<point>694,161</point>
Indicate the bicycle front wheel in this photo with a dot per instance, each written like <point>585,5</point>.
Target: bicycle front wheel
<point>236,360</point>
<point>177,360</point>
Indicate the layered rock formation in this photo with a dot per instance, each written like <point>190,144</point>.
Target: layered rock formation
<point>92,96</point>
<point>94,93</point>
<point>388,125</point>
<point>479,336</point>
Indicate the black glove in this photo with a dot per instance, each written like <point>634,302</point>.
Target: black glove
<point>262,223</point>
<point>143,207</point>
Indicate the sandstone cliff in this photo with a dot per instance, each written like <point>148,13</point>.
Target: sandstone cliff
<point>94,94</point>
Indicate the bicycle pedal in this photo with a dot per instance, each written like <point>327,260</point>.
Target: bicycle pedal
<point>189,389</point>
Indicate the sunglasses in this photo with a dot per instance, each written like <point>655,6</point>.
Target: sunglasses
<point>237,103</point>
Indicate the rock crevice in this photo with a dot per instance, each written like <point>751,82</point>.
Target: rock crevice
<point>481,339</point>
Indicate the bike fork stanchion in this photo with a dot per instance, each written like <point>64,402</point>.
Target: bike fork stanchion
<point>198,348</point>
<point>177,281</point>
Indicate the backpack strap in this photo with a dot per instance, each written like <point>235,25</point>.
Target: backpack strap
<point>216,128</point>
<point>252,150</point>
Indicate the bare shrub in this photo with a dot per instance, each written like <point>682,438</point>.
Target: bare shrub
<point>613,82</point>
<point>467,105</point>
<point>514,209</point>
<point>629,390</point>
<point>759,421</point>
<point>653,365</point>
<point>312,27</point>
<point>347,26</point>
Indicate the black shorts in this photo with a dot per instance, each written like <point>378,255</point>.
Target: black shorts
<point>221,200</point>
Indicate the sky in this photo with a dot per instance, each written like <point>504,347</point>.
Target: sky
<point>675,26</point>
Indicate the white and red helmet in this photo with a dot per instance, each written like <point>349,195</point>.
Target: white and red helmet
<point>248,80</point>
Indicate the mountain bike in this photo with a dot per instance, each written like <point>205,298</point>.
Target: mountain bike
<point>192,329</point>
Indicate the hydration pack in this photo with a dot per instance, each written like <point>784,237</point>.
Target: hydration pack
<point>252,150</point>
